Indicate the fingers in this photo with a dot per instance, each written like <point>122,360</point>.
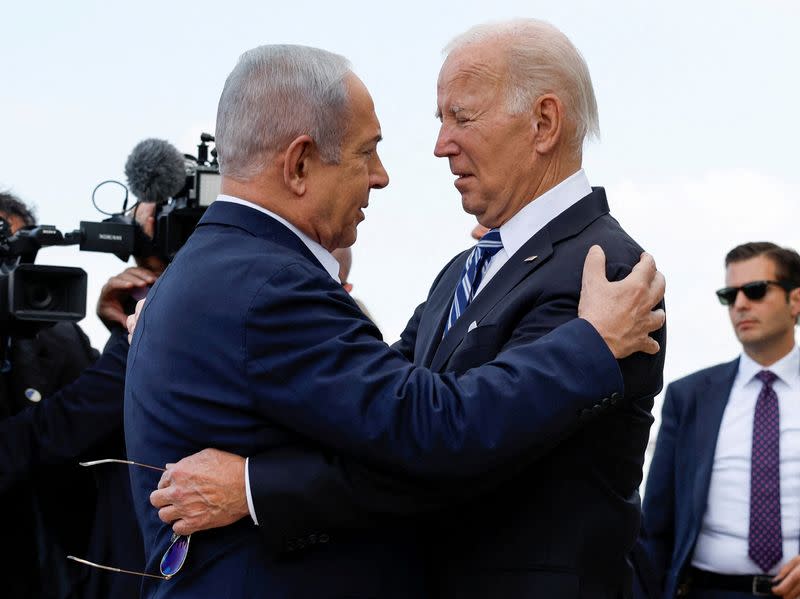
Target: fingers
<point>594,267</point>
<point>789,575</point>
<point>165,480</point>
<point>185,527</point>
<point>645,267</point>
<point>133,318</point>
<point>655,320</point>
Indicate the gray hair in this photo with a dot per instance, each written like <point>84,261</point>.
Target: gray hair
<point>541,60</point>
<point>274,94</point>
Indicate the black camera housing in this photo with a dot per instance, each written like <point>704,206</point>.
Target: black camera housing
<point>175,218</point>
<point>33,296</point>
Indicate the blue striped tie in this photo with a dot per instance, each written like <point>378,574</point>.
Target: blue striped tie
<point>476,266</point>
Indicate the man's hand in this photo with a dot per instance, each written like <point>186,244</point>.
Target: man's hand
<point>622,311</point>
<point>202,491</point>
<point>130,323</point>
<point>789,575</point>
<point>110,305</point>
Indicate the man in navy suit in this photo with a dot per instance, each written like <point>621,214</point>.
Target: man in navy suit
<point>722,502</point>
<point>249,343</point>
<point>515,102</point>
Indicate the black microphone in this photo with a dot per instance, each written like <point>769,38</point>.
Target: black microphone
<point>156,170</point>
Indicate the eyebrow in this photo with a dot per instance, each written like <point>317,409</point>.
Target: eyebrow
<point>454,109</point>
<point>373,141</point>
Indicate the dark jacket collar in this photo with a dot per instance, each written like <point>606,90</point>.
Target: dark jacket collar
<point>570,222</point>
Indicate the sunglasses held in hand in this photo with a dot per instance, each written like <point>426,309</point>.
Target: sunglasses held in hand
<point>175,555</point>
<point>754,290</point>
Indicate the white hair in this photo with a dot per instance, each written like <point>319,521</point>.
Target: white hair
<point>274,94</point>
<point>541,60</point>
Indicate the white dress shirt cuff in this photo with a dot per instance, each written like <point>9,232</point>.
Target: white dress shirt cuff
<point>247,490</point>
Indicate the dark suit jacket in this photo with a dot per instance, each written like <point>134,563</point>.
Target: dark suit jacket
<point>247,344</point>
<point>559,526</point>
<point>680,472</point>
<point>87,513</point>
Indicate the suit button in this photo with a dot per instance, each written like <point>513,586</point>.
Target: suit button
<point>616,395</point>
<point>683,590</point>
<point>607,402</point>
<point>323,538</point>
<point>312,539</point>
<point>291,546</point>
<point>597,410</point>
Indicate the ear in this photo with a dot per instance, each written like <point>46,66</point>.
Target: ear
<point>296,164</point>
<point>794,302</point>
<point>348,287</point>
<point>548,123</point>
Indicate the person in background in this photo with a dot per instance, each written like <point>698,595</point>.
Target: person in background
<point>62,403</point>
<point>344,256</point>
<point>722,500</point>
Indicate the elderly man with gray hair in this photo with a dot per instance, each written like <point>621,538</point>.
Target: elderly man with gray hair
<point>467,418</point>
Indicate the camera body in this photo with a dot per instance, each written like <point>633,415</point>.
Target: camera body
<point>175,216</point>
<point>33,296</point>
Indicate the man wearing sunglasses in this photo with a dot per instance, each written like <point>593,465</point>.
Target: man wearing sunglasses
<point>722,501</point>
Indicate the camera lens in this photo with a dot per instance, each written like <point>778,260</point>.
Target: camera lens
<point>39,297</point>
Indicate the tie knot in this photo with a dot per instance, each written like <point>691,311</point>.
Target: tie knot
<point>767,377</point>
<point>491,243</point>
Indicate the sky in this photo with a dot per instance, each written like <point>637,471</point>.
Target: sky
<point>697,100</point>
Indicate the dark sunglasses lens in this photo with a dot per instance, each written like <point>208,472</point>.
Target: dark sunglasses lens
<point>175,556</point>
<point>755,291</point>
<point>727,296</point>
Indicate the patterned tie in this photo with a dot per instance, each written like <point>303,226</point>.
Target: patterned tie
<point>474,269</point>
<point>765,537</point>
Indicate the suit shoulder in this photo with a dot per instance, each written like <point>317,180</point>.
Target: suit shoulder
<point>700,377</point>
<point>615,240</point>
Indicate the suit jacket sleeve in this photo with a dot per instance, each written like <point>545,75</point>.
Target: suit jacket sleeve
<point>67,423</point>
<point>333,381</point>
<point>658,511</point>
<point>327,492</point>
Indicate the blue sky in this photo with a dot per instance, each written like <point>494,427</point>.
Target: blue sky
<point>698,111</point>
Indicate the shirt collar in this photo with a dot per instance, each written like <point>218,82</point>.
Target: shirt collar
<point>538,212</point>
<point>325,258</point>
<point>787,368</point>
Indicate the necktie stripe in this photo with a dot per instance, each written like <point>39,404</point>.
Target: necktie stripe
<point>474,269</point>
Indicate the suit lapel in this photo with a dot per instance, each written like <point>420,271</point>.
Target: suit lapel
<point>519,266</point>
<point>437,310</point>
<point>710,404</point>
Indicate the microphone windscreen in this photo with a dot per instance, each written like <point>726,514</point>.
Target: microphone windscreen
<point>155,170</point>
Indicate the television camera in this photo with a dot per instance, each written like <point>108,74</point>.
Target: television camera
<point>181,186</point>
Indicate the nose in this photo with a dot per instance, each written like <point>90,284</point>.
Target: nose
<point>741,301</point>
<point>444,143</point>
<point>379,178</point>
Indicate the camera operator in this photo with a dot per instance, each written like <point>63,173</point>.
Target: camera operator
<point>61,404</point>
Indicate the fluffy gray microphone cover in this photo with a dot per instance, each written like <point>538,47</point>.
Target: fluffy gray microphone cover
<point>155,170</point>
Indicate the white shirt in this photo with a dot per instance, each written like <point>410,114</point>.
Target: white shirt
<point>533,217</point>
<point>723,541</point>
<point>328,262</point>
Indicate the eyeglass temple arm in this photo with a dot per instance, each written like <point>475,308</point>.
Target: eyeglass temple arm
<point>119,570</point>
<point>115,461</point>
